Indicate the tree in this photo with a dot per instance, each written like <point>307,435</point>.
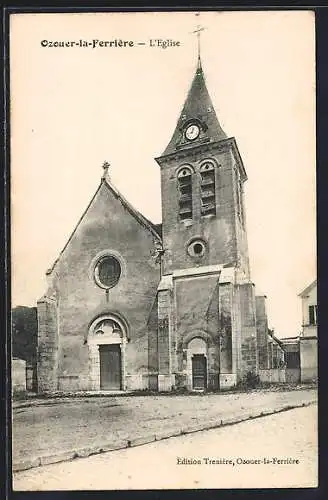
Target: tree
<point>24,333</point>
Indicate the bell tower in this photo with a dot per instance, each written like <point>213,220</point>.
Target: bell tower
<point>206,336</point>
<point>202,179</point>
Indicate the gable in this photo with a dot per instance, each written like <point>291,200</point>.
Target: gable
<point>308,289</point>
<point>107,207</point>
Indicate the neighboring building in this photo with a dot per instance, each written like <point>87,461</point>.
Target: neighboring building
<point>302,351</point>
<point>271,351</point>
<point>293,363</point>
<point>309,334</point>
<point>134,305</point>
<point>277,353</point>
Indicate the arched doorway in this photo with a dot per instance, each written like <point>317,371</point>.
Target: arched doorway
<point>106,342</point>
<point>197,354</point>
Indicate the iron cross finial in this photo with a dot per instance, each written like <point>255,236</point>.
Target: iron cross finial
<point>197,31</point>
<point>105,166</point>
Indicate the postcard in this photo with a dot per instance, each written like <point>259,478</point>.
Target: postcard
<point>163,236</point>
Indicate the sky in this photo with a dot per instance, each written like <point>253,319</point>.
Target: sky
<point>72,108</point>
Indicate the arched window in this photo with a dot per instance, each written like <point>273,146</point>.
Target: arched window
<point>185,192</point>
<point>207,188</point>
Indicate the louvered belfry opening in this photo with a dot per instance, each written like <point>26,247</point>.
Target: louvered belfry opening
<point>207,189</point>
<point>185,193</point>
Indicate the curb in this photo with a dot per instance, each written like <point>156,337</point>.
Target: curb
<point>64,397</point>
<point>120,445</point>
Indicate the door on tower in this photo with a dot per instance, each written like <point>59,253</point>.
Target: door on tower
<point>199,372</point>
<point>110,367</point>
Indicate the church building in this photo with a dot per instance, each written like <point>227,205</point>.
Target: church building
<point>133,305</point>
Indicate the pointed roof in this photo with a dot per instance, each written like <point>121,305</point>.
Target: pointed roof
<point>155,229</point>
<point>197,107</point>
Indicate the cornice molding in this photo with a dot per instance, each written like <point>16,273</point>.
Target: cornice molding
<point>191,153</point>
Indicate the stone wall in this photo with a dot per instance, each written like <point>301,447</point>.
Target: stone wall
<point>153,339</point>
<point>225,328</point>
<point>18,375</point>
<point>293,375</point>
<point>273,376</point>
<point>163,329</point>
<point>47,351</point>
<point>248,334</point>
<point>262,332</point>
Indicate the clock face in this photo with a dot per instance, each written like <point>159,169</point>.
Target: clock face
<point>192,132</point>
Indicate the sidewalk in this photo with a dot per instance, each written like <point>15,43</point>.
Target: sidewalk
<point>80,427</point>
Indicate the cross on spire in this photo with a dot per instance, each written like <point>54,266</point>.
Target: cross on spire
<point>197,31</point>
<point>105,166</point>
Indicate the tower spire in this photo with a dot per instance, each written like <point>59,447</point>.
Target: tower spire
<point>197,112</point>
<point>197,32</point>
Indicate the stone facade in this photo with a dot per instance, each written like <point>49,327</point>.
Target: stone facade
<point>48,341</point>
<point>133,305</point>
<point>262,332</point>
<point>66,356</point>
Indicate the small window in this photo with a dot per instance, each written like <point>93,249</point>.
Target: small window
<point>207,188</point>
<point>107,271</point>
<point>197,248</point>
<point>312,315</point>
<point>185,193</point>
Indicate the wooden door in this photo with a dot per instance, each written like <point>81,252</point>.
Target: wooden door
<point>199,371</point>
<point>110,367</point>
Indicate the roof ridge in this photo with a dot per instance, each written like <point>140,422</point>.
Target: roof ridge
<point>138,215</point>
<point>307,288</point>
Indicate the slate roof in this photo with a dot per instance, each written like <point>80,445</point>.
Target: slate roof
<point>198,105</point>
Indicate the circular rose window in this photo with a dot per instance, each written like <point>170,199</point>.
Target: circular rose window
<point>107,271</point>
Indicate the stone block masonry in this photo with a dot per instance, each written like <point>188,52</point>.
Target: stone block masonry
<point>164,358</point>
<point>225,312</point>
<point>18,375</point>
<point>247,315</point>
<point>262,332</point>
<point>47,345</point>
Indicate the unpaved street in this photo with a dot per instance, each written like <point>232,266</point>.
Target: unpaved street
<point>53,426</point>
<point>289,436</point>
